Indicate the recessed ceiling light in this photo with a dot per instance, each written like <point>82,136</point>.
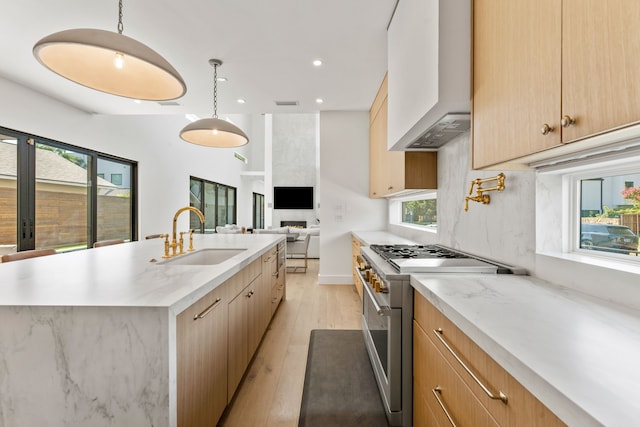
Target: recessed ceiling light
<point>222,79</point>
<point>317,62</point>
<point>137,101</point>
<point>192,117</point>
<point>241,101</point>
<point>319,100</point>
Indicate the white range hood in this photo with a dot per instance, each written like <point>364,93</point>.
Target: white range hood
<point>429,69</point>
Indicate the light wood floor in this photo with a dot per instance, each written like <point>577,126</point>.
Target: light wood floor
<point>271,392</point>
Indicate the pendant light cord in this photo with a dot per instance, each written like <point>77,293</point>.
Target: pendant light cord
<point>215,91</point>
<point>120,26</point>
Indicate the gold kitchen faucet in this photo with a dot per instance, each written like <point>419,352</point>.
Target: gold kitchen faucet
<point>480,196</point>
<point>174,245</point>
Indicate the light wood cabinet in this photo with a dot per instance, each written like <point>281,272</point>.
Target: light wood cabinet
<point>254,295</point>
<point>439,391</point>
<point>434,332</point>
<point>201,334</point>
<point>355,251</point>
<point>279,277</point>
<point>547,64</point>
<point>244,316</point>
<point>392,172</point>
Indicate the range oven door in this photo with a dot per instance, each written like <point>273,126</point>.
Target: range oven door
<point>382,329</point>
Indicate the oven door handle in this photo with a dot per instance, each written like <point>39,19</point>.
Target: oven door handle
<point>382,311</point>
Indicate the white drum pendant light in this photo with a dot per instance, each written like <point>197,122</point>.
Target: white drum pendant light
<point>110,62</point>
<point>214,132</point>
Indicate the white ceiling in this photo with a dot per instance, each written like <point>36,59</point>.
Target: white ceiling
<point>267,47</point>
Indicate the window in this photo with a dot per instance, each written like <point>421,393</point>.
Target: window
<point>609,214</point>
<point>216,201</point>
<point>53,196</point>
<point>114,201</point>
<point>116,178</point>
<point>8,193</point>
<point>423,212</point>
<point>258,210</point>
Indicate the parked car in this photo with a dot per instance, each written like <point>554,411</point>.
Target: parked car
<point>609,237</point>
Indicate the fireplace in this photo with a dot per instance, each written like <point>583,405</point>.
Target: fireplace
<point>301,224</point>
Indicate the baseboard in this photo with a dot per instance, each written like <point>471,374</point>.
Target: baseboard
<point>324,279</point>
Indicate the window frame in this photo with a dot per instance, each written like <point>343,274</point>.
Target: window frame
<point>573,220</point>
<point>258,217</point>
<point>395,210</point>
<point>202,197</point>
<point>26,180</point>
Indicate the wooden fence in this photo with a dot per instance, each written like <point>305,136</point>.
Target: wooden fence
<point>632,221</point>
<point>62,218</point>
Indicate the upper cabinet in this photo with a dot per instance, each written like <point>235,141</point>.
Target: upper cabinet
<point>394,172</point>
<point>547,73</point>
<point>428,66</point>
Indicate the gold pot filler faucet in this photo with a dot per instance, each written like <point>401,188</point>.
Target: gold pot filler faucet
<point>175,244</point>
<point>480,196</point>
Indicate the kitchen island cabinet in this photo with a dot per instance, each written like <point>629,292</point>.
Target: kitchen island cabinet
<point>547,73</point>
<point>201,349</point>
<point>101,337</point>
<point>246,321</point>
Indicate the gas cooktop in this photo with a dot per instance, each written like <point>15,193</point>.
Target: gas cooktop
<point>415,251</point>
<point>437,259</point>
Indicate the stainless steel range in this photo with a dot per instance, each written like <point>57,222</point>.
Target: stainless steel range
<point>387,311</point>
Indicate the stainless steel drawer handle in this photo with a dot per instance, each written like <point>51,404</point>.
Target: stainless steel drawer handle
<point>436,393</point>
<point>207,310</point>
<point>501,396</point>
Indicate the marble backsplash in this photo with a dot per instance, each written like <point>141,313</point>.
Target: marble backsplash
<point>506,230</point>
<point>503,230</point>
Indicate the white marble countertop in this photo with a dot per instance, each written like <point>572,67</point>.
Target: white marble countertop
<point>122,275</point>
<point>577,354</point>
<point>381,238</point>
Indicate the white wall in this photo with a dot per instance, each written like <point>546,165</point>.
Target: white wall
<point>165,162</point>
<point>294,151</point>
<point>344,188</point>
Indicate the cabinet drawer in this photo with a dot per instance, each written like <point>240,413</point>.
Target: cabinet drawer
<point>440,388</point>
<point>240,280</point>
<point>521,407</point>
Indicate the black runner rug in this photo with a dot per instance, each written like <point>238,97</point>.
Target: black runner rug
<point>339,385</point>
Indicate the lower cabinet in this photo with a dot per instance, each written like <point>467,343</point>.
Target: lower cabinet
<point>355,255</point>
<point>439,393</point>
<point>278,278</point>
<point>217,336</point>
<point>245,322</point>
<point>446,391</point>
<point>201,334</point>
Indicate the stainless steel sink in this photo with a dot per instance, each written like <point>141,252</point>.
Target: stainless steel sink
<point>207,256</point>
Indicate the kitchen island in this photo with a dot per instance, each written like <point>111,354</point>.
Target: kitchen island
<point>89,338</point>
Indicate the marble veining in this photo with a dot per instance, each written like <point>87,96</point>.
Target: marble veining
<point>69,366</point>
<point>576,353</point>
<point>88,338</point>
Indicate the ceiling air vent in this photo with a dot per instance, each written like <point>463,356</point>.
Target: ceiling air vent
<point>286,103</point>
<point>169,103</point>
